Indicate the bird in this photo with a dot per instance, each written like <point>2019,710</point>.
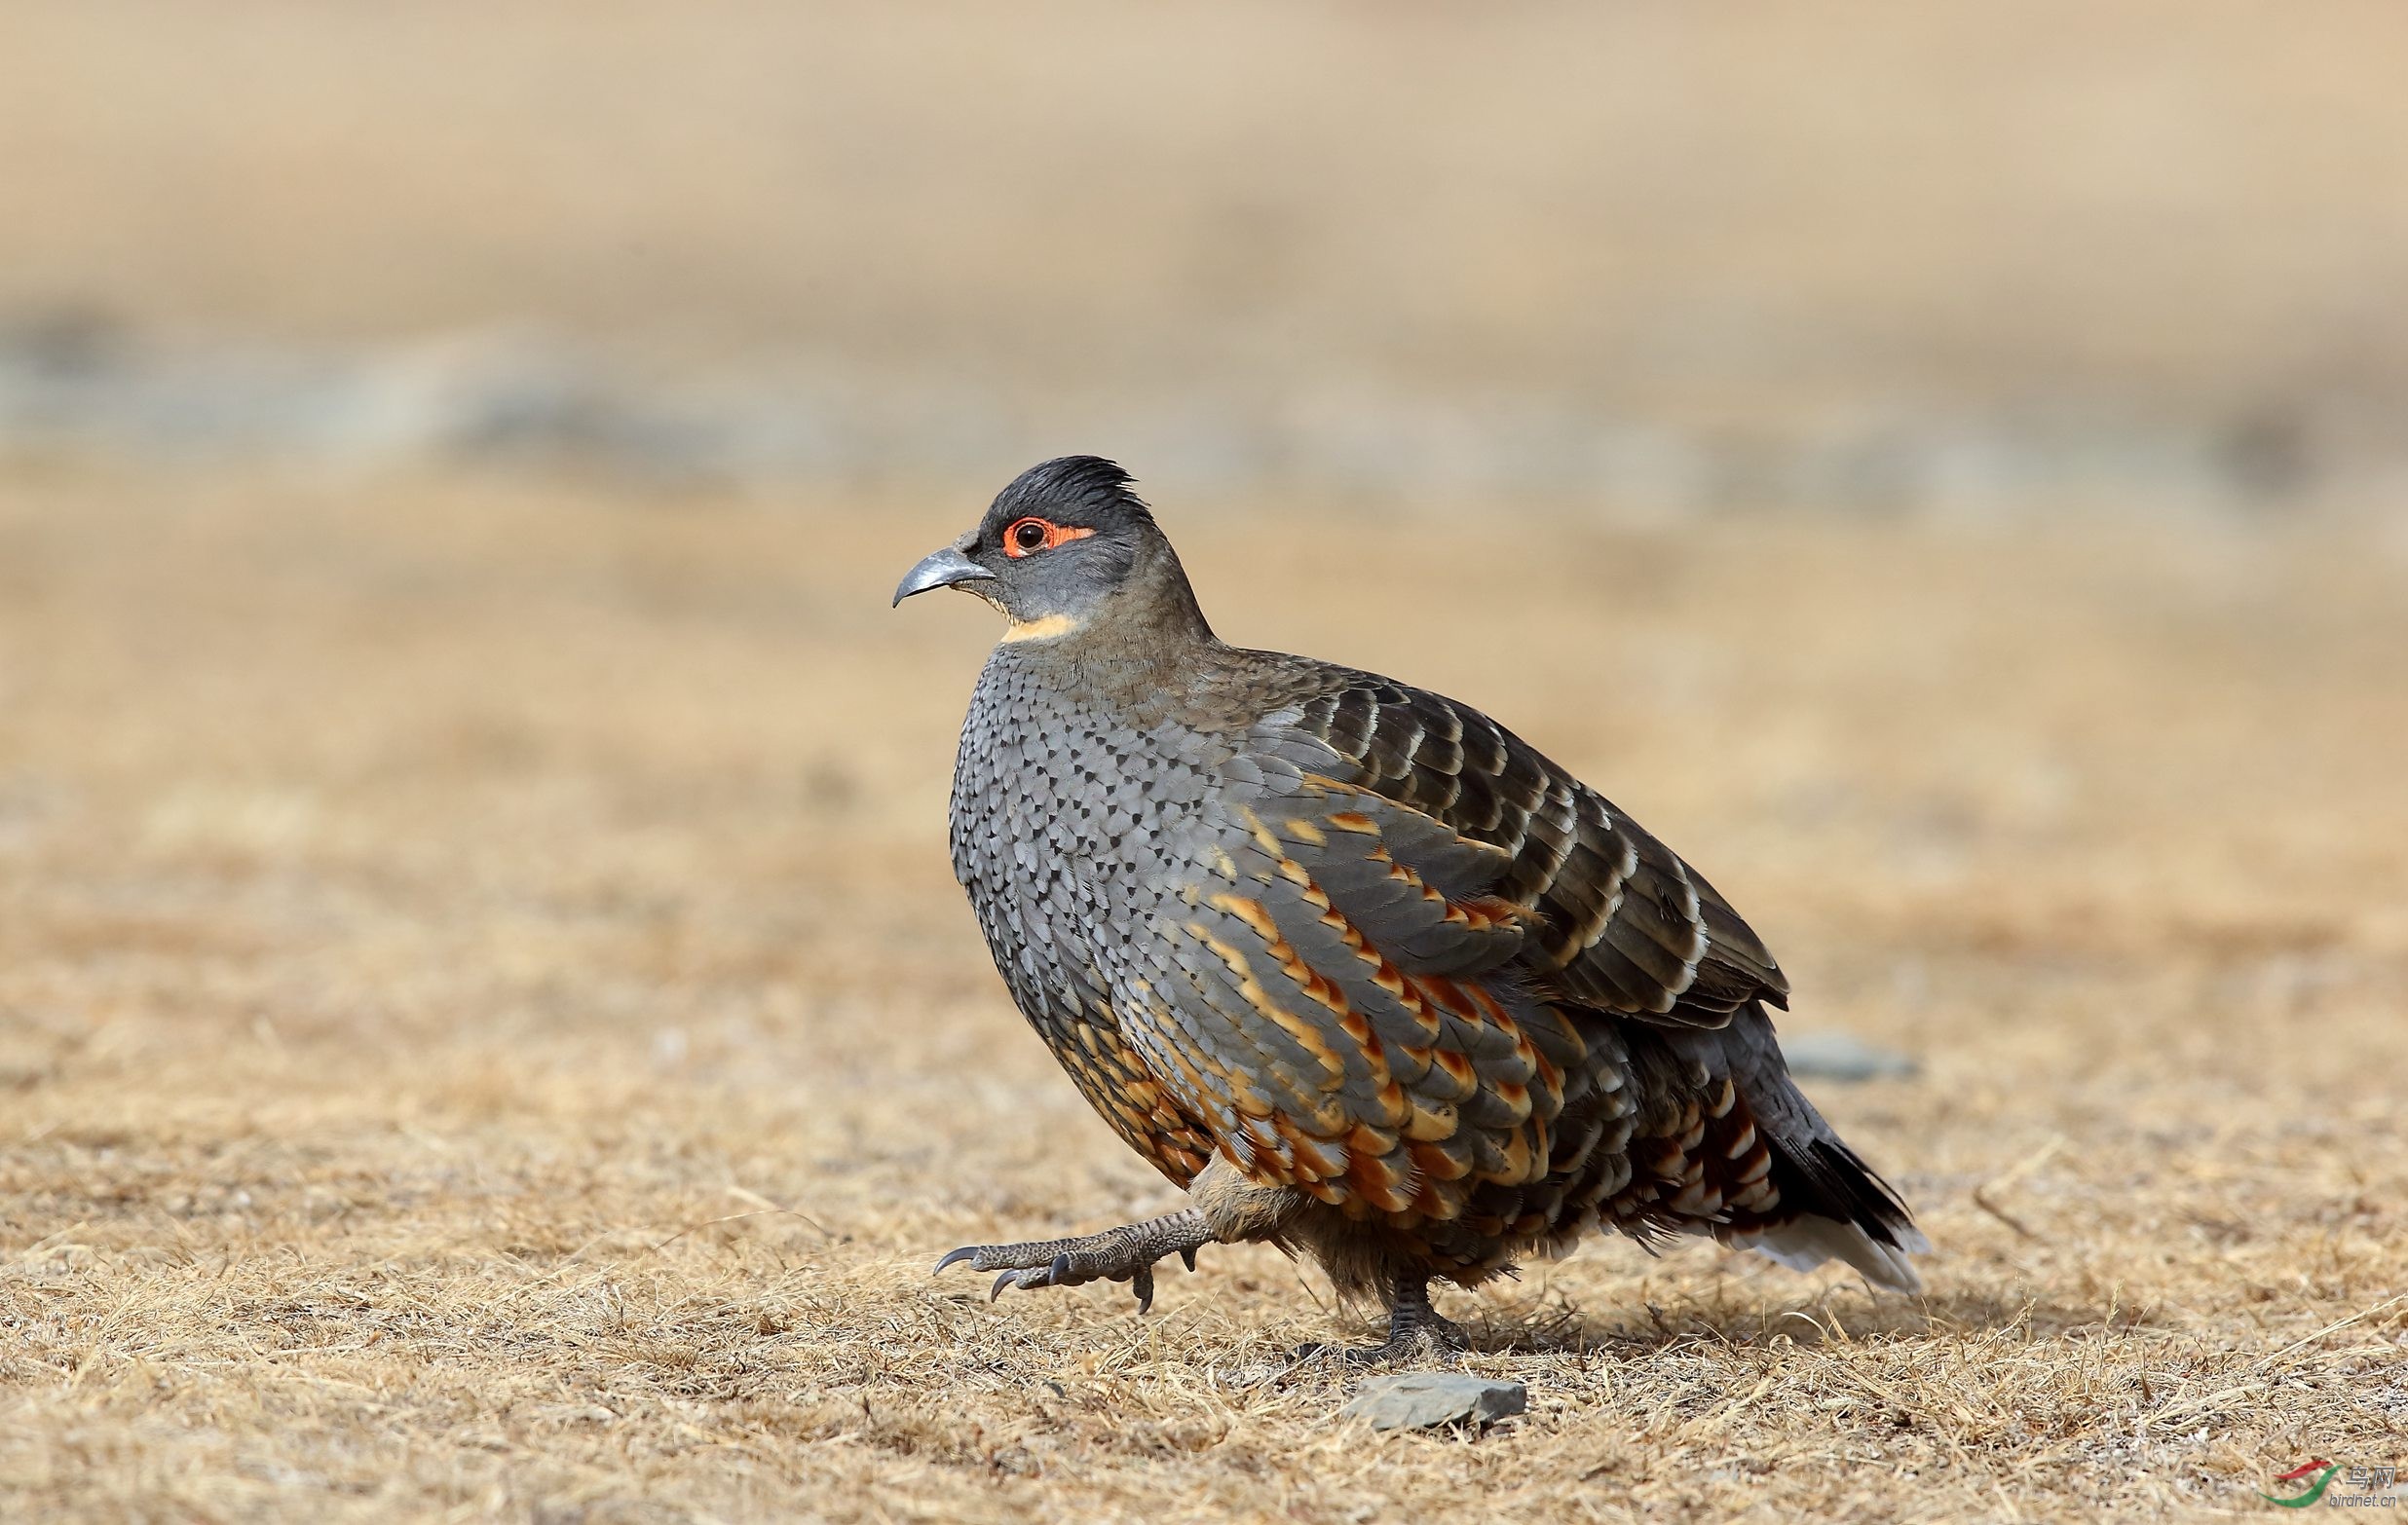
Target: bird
<point>1363,972</point>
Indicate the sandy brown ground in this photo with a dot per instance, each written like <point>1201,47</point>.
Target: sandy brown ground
<point>487,1030</point>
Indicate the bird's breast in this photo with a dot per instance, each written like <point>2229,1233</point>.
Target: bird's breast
<point>1069,817</point>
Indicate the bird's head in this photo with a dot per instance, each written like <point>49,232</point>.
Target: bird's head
<point>1064,547</point>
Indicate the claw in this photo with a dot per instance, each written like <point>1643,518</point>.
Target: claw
<point>1123,1254</point>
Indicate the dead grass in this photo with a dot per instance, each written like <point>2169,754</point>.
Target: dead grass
<point>486,1030</point>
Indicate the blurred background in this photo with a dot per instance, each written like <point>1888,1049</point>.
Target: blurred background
<point>482,992</point>
<point>1850,255</point>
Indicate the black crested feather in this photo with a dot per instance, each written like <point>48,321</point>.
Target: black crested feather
<point>1088,489</point>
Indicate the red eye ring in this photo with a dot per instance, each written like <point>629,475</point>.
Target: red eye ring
<point>1027,537</point>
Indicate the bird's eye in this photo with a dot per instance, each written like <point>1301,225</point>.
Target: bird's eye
<point>1028,537</point>
<point>1032,536</point>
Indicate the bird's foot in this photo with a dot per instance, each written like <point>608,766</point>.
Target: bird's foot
<point>1423,1338</point>
<point>1126,1254</point>
<point>1430,1342</point>
<point>1416,1335</point>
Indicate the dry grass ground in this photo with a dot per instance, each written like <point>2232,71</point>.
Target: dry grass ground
<point>486,1029</point>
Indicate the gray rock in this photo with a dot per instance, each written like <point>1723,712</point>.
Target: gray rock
<point>1427,1399</point>
<point>1841,1055</point>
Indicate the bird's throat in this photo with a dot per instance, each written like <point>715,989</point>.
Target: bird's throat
<point>1047,627</point>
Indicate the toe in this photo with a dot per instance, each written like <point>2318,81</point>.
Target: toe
<point>1026,1281</point>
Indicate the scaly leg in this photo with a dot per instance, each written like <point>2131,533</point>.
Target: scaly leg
<point>1122,1254</point>
<point>1415,1331</point>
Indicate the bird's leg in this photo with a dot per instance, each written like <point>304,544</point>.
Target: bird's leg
<point>1415,1331</point>
<point>1126,1254</point>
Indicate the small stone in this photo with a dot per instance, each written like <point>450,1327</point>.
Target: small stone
<point>1843,1056</point>
<point>1427,1399</point>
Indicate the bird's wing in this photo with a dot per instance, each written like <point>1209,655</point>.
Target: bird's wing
<point>1622,924</point>
<point>1329,991</point>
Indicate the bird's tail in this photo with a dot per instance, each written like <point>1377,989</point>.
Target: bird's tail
<point>1834,1208</point>
<point>1827,1204</point>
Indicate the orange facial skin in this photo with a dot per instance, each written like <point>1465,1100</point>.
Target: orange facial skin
<point>1028,537</point>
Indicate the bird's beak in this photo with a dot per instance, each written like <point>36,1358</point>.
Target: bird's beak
<point>947,568</point>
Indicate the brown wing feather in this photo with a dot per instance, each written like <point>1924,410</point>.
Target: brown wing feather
<point>1332,1005</point>
<point>1623,924</point>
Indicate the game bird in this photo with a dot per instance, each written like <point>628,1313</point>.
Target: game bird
<point>1357,967</point>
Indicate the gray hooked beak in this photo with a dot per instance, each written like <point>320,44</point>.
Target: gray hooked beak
<point>947,568</point>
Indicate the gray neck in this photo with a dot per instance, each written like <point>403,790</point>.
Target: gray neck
<point>1155,604</point>
<point>1133,639</point>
